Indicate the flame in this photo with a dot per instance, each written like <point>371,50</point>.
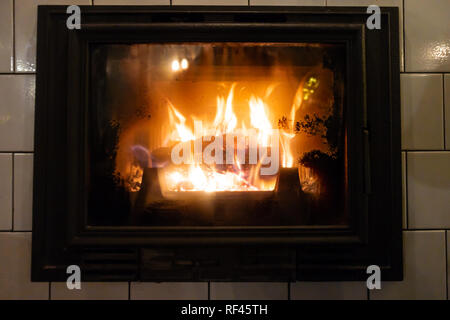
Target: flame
<point>225,120</point>
<point>182,132</point>
<point>259,120</point>
<point>287,133</point>
<point>238,176</point>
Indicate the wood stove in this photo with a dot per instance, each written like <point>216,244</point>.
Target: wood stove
<point>225,143</point>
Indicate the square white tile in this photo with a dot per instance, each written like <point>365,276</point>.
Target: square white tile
<point>288,2</point>
<point>448,264</point>
<point>6,36</point>
<point>427,35</point>
<point>15,269</point>
<point>210,2</point>
<point>346,290</point>
<point>249,291</point>
<point>447,110</point>
<point>422,112</point>
<point>169,291</point>
<point>23,192</point>
<point>428,190</point>
<point>17,112</point>
<point>132,2</point>
<point>6,168</point>
<point>404,192</point>
<point>90,291</point>
<point>380,3</point>
<point>424,269</point>
<point>26,27</point>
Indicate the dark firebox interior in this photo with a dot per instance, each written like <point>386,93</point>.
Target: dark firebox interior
<point>134,87</point>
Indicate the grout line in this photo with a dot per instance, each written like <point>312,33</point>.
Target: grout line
<point>403,30</point>
<point>289,290</point>
<point>368,294</point>
<point>425,150</point>
<point>14,36</point>
<point>209,290</point>
<point>129,290</point>
<point>50,290</point>
<point>16,73</point>
<point>27,152</point>
<point>423,72</point>
<point>427,229</point>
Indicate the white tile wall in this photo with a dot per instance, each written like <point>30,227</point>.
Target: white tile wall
<point>16,112</point>
<point>424,269</point>
<point>404,197</point>
<point>15,269</point>
<point>6,168</point>
<point>132,2</point>
<point>6,36</point>
<point>26,27</point>
<point>169,291</point>
<point>210,2</point>
<point>425,126</point>
<point>288,3</point>
<point>429,190</point>
<point>249,291</point>
<point>328,291</point>
<point>90,291</point>
<point>380,3</point>
<point>448,264</point>
<point>23,191</point>
<point>427,35</point>
<point>422,112</point>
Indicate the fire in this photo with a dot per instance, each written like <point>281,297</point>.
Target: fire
<point>197,178</point>
<point>241,174</point>
<point>225,120</point>
<point>287,133</point>
<point>182,133</point>
<point>259,120</point>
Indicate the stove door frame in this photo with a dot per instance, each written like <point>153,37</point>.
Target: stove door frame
<point>61,235</point>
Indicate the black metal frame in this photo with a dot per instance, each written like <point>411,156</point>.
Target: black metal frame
<point>60,234</point>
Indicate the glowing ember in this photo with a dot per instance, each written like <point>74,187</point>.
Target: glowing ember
<point>199,178</point>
